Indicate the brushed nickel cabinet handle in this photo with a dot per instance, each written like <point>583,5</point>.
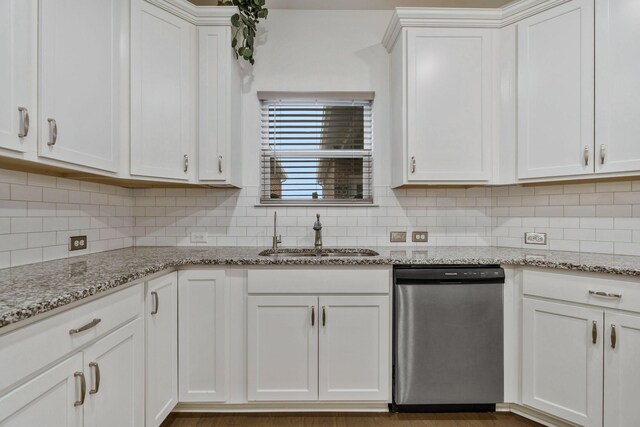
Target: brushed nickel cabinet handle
<point>156,302</point>
<point>53,132</point>
<point>313,315</point>
<point>96,368</point>
<point>220,164</point>
<point>586,155</point>
<point>24,122</point>
<point>594,332</point>
<point>605,294</point>
<point>614,337</point>
<point>413,164</point>
<point>324,316</point>
<point>89,325</point>
<point>603,153</point>
<point>186,163</point>
<point>83,388</point>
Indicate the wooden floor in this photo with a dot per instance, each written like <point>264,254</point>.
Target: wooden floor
<point>347,420</point>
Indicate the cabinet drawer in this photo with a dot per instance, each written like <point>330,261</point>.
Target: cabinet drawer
<point>585,288</point>
<point>331,280</point>
<point>33,347</point>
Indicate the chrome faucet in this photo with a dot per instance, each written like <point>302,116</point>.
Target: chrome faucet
<point>317,227</point>
<point>277,239</point>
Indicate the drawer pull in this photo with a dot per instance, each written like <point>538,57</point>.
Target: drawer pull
<point>53,132</point>
<point>96,367</point>
<point>89,325</point>
<point>594,332</point>
<point>156,302</point>
<point>83,388</point>
<point>24,122</point>
<point>605,294</point>
<point>324,316</point>
<point>614,337</point>
<point>313,315</point>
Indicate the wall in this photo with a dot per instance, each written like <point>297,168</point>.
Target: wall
<point>38,214</point>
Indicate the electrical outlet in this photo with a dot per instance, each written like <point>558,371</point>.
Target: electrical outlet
<point>199,237</point>
<point>398,236</point>
<point>419,237</point>
<point>77,243</point>
<point>535,238</point>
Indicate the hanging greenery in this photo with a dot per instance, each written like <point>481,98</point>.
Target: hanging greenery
<point>244,26</point>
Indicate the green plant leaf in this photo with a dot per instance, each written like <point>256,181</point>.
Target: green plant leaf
<point>235,20</point>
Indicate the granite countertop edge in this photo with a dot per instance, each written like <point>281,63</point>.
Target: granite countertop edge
<point>18,305</point>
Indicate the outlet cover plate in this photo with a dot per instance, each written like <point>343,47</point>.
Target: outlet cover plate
<point>535,238</point>
<point>419,236</point>
<point>77,243</point>
<point>199,237</point>
<point>398,236</point>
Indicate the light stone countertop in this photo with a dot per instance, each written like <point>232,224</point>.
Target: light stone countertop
<point>34,289</point>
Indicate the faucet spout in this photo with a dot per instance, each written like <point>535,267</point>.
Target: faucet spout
<point>317,227</point>
<point>277,239</point>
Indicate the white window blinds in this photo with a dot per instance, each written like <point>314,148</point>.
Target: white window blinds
<point>316,151</point>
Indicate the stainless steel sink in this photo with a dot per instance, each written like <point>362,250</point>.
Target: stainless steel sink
<point>338,252</point>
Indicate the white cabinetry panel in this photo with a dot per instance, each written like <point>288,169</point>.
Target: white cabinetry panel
<point>354,348</point>
<point>562,366</point>
<point>80,86</point>
<point>282,348</point>
<point>18,73</point>
<point>449,104</point>
<point>202,336</point>
<point>162,93</point>
<point>47,400</point>
<point>556,92</point>
<point>617,86</point>
<point>161,315</point>
<point>621,370</point>
<point>114,369</point>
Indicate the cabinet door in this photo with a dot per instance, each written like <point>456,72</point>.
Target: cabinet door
<point>114,367</point>
<point>80,87</point>
<point>202,335</point>
<point>621,370</point>
<point>354,348</point>
<point>47,400</point>
<point>282,348</point>
<point>449,104</point>
<point>162,93</point>
<point>555,92</point>
<point>617,86</point>
<point>18,73</point>
<point>214,87</point>
<point>161,315</point>
<point>562,365</point>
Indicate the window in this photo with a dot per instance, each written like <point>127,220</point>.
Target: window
<point>316,150</point>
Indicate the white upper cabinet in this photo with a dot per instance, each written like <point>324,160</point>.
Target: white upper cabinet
<point>81,48</point>
<point>449,104</point>
<point>162,93</point>
<point>218,106</point>
<point>556,92</point>
<point>18,74</point>
<point>617,86</point>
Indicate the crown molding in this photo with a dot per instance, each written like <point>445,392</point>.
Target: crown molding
<point>197,15</point>
<point>431,17</point>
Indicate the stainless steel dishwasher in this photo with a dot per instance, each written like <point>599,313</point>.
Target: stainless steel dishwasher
<point>448,338</point>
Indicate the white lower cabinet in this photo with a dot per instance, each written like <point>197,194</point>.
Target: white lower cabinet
<point>327,348</point>
<point>47,400</point>
<point>282,348</point>
<point>161,317</point>
<point>621,370</point>
<point>354,348</point>
<point>202,347</point>
<point>563,360</point>
<point>114,371</point>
